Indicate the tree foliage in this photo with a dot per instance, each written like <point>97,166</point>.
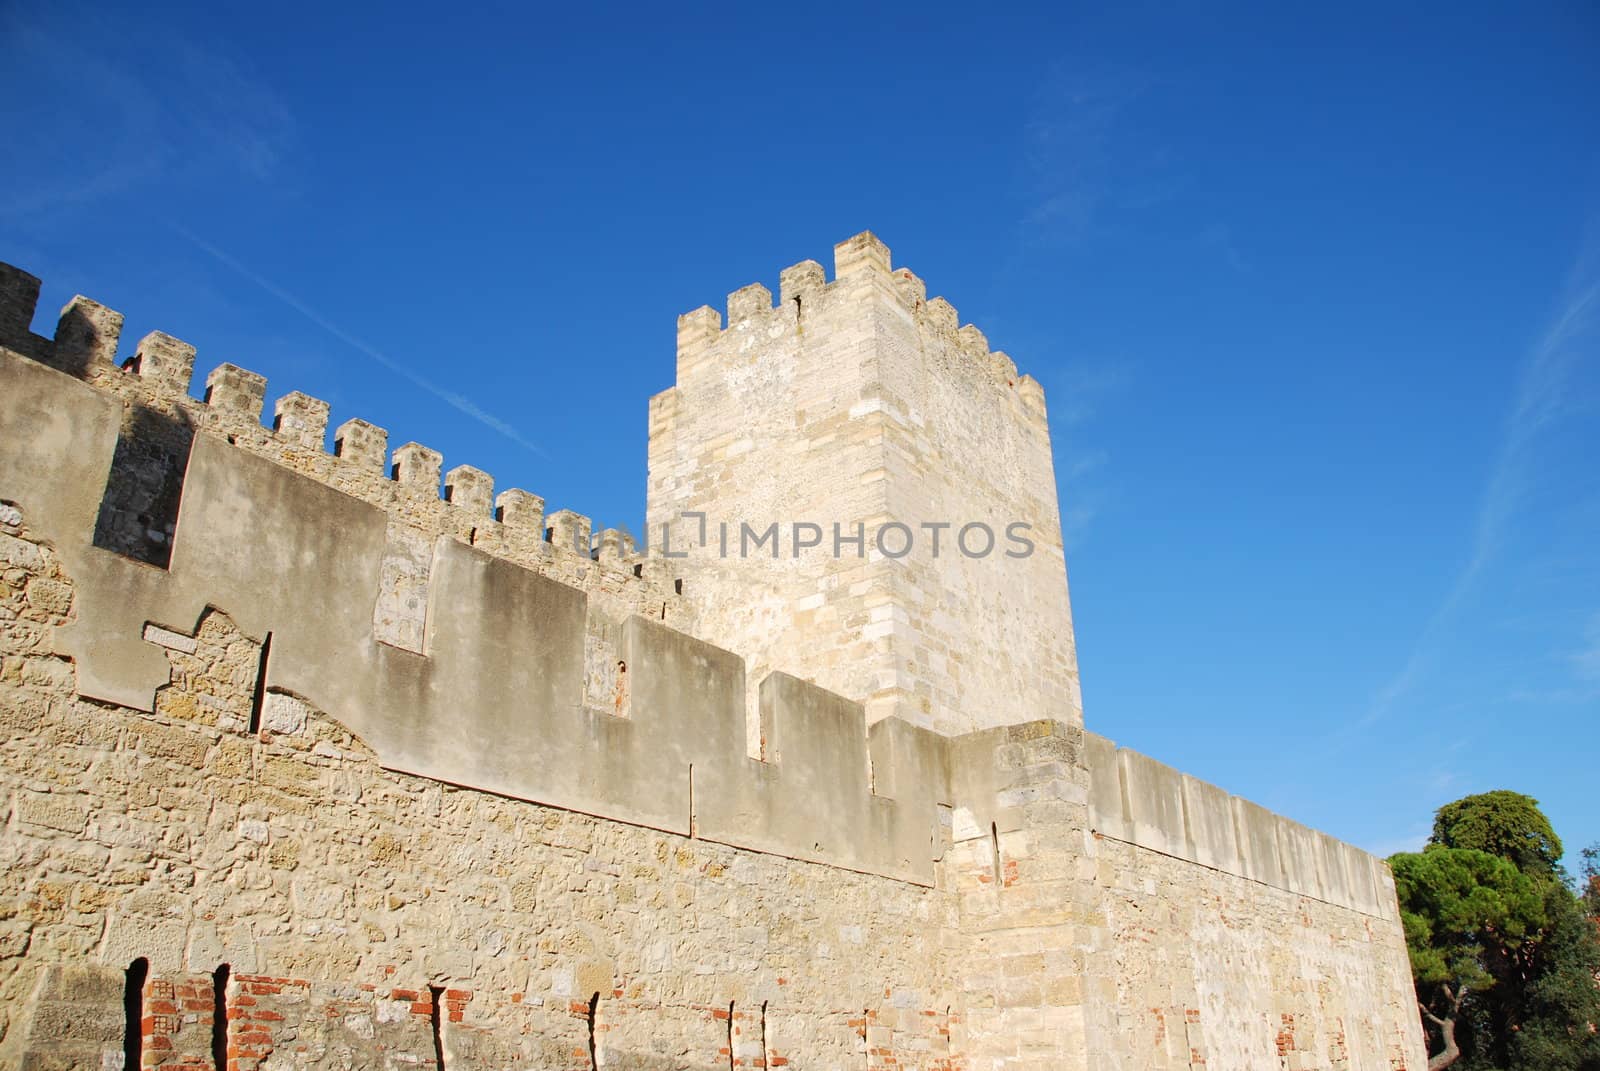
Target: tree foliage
<point>1505,955</point>
<point>1463,911</point>
<point>1590,881</point>
<point>1561,1004</point>
<point>1507,824</point>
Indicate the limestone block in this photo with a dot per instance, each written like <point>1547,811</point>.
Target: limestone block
<point>362,444</point>
<point>164,362</point>
<point>232,389</point>
<point>302,420</point>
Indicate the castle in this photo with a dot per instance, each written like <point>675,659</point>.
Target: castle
<point>308,764</point>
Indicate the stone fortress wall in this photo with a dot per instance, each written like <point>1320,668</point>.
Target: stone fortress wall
<point>434,784</point>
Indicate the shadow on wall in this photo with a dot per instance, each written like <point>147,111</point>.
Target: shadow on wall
<point>139,509</point>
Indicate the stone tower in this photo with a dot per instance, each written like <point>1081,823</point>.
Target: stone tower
<point>903,462</point>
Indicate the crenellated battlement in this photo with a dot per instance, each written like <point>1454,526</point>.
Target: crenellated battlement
<point>506,678</point>
<point>861,262</point>
<point>410,483</point>
<point>351,756</point>
<point>859,400</point>
<point>493,622</point>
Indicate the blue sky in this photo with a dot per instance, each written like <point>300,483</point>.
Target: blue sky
<point>1315,296</point>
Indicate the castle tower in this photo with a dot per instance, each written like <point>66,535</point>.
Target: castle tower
<point>904,464</point>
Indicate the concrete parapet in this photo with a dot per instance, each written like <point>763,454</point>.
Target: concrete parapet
<point>1135,799</point>
<point>1298,851</point>
<point>494,699</point>
<point>1208,814</point>
<point>1258,842</point>
<point>1154,795</point>
<point>1105,787</point>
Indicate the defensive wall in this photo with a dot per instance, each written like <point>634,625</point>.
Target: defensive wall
<point>308,764</point>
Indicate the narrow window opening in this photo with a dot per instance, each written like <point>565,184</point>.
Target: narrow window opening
<point>500,514</point>
<point>394,471</point>
<point>994,852</point>
<point>219,1018</point>
<point>472,538</point>
<point>594,1007</point>
<point>677,587</point>
<point>435,996</point>
<point>549,535</point>
<point>259,698</point>
<point>638,570</point>
<point>730,1035</point>
<point>663,611</point>
<point>797,307</point>
<point>766,1053</point>
<point>133,1014</point>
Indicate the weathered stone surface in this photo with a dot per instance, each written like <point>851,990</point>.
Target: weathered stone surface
<point>383,776</point>
<point>852,409</point>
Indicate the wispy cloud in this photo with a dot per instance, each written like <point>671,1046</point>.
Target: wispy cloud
<point>1540,400</point>
<point>1077,392</point>
<point>1070,148</point>
<point>1219,237</point>
<point>1586,662</point>
<point>1079,388</point>
<point>120,122</point>
<point>456,401</point>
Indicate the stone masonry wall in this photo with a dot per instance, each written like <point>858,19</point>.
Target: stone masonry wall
<point>368,919</point>
<point>358,910</point>
<point>849,405</point>
<point>161,417</point>
<point>1203,969</point>
<point>1080,950</point>
<point>363,777</point>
